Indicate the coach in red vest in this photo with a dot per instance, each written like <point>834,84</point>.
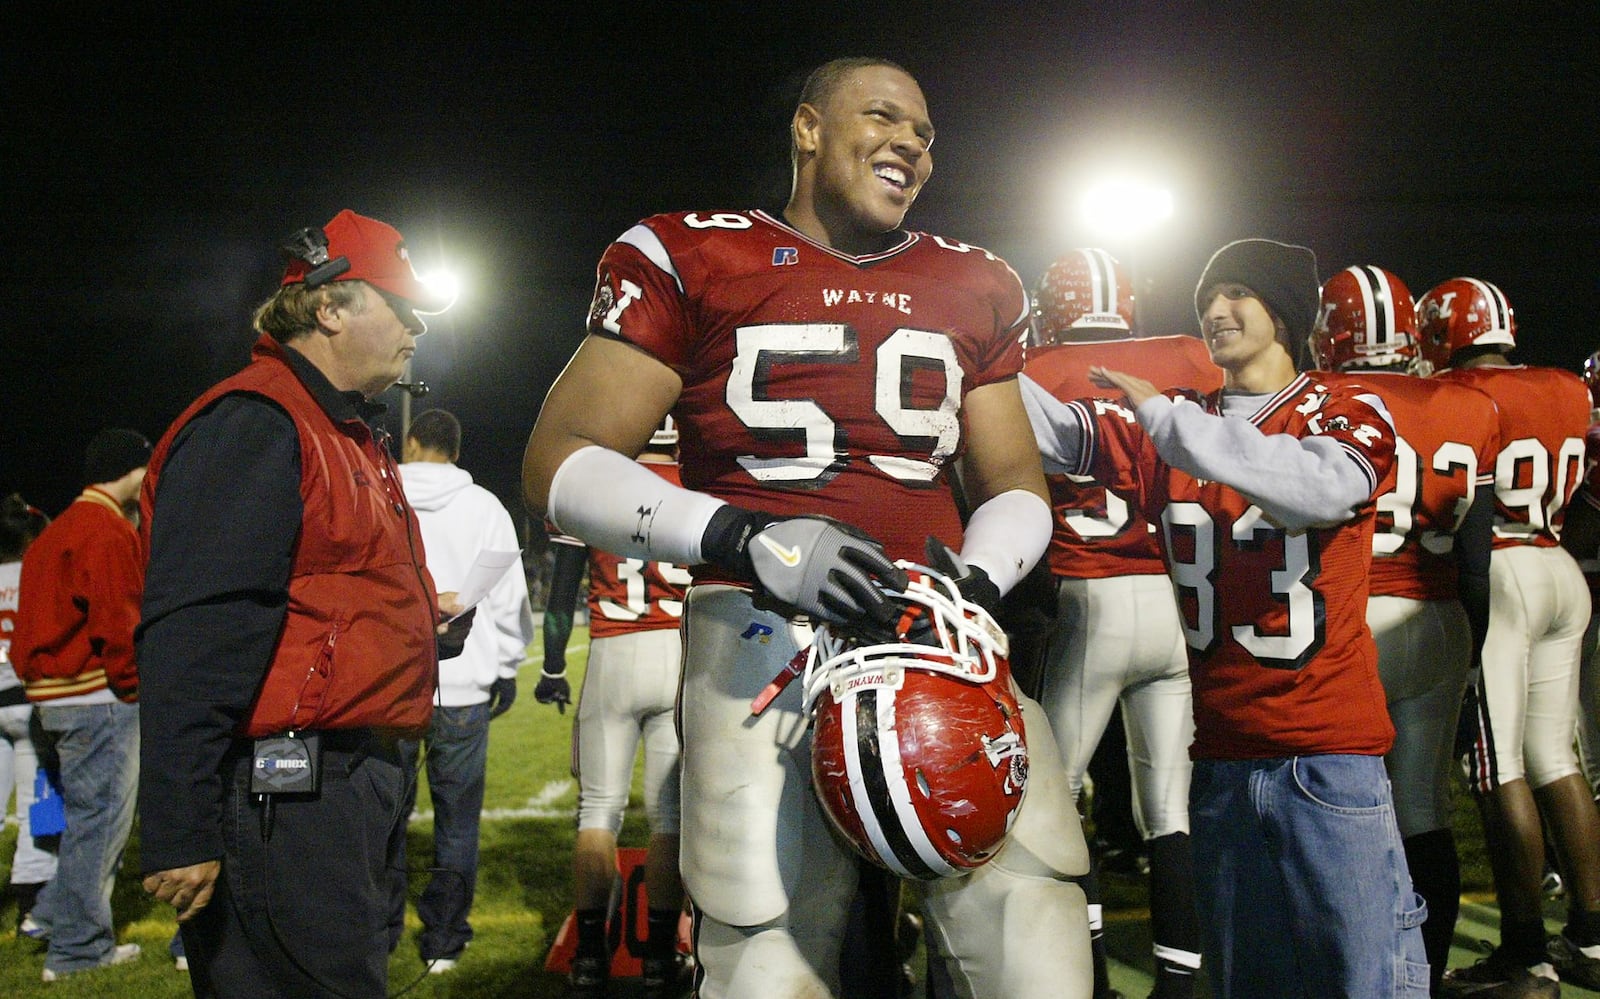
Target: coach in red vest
<point>288,635</point>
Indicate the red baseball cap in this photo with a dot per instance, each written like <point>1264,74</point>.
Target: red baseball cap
<point>376,253</point>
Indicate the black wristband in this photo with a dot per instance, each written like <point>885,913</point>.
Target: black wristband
<point>981,590</point>
<point>726,541</point>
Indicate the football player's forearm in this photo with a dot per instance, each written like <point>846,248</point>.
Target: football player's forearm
<point>617,505</point>
<point>1058,428</point>
<point>1005,536</point>
<point>1297,482</point>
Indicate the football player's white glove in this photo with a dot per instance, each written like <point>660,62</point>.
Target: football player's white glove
<point>812,566</point>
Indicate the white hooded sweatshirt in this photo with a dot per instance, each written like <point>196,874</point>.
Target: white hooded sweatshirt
<point>460,519</point>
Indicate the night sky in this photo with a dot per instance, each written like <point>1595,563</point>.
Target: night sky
<point>151,168</point>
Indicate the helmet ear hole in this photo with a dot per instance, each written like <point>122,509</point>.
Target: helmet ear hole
<point>922,784</point>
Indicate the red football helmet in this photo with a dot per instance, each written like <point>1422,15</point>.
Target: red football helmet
<point>1368,320</point>
<point>918,753</point>
<point>1591,376</point>
<point>1086,288</point>
<point>1464,312</point>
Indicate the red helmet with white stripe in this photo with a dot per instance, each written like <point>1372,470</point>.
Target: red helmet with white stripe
<point>1085,288</point>
<point>1464,312</point>
<point>918,753</point>
<point>1368,320</point>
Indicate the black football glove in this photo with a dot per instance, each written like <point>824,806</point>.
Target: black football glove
<point>974,584</point>
<point>454,638</point>
<point>502,694</point>
<point>1467,721</point>
<point>814,566</point>
<point>553,689</point>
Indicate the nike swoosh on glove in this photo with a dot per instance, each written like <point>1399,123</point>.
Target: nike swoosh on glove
<point>814,566</point>
<point>825,569</point>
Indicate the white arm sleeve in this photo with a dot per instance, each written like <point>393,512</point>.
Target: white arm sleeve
<point>617,505</point>
<point>1005,536</point>
<point>1297,482</point>
<point>1057,427</point>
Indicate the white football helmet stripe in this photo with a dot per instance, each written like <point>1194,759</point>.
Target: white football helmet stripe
<point>909,825</point>
<point>1499,330</point>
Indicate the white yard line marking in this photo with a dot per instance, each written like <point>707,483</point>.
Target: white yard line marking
<point>550,803</point>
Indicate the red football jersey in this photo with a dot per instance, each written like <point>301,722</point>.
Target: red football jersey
<point>1101,533</point>
<point>629,594</point>
<point>1279,650</point>
<point>1544,413</point>
<point>815,382</point>
<point>1589,562</point>
<point>1448,436</point>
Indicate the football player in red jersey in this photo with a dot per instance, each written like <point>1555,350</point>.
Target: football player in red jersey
<point>1522,766</point>
<point>826,369</point>
<point>1117,637</point>
<point>1265,495</point>
<point>629,691</point>
<point>1580,535</point>
<point>1429,600</point>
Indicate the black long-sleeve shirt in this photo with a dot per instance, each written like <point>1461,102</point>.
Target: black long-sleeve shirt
<point>223,533</point>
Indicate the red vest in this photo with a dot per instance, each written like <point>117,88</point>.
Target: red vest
<point>357,647</point>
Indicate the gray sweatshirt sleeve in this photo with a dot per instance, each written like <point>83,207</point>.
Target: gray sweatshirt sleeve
<point>1298,482</point>
<point>1059,428</point>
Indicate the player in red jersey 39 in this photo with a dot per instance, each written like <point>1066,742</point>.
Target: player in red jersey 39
<point>630,689</point>
<point>826,369</point>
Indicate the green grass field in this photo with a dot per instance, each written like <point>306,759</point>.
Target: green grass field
<point>524,887</point>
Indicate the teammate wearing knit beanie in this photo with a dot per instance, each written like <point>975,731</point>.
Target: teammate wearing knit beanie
<point>1283,276</point>
<point>1265,493</point>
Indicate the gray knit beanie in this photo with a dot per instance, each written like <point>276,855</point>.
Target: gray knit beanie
<point>1282,275</point>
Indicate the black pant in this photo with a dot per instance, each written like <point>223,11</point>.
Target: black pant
<point>304,911</point>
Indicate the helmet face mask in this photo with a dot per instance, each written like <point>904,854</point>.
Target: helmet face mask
<point>1085,289</point>
<point>919,756</point>
<point>1367,320</point>
<point>1462,313</point>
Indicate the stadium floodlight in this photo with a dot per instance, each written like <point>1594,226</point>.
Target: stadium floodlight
<point>1125,209</point>
<point>446,283</point>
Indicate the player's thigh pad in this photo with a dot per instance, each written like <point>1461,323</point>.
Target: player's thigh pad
<point>1046,839</point>
<point>1549,752</point>
<point>755,844</point>
<point>1424,653</point>
<point>1004,936</point>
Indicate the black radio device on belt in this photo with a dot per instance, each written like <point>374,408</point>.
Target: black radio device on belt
<point>287,764</point>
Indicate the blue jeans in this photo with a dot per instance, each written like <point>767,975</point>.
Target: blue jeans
<point>300,907</point>
<point>1301,881</point>
<point>96,747</point>
<point>457,754</point>
<point>34,862</point>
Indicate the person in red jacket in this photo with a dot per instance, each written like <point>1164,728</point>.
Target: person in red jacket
<point>288,636</point>
<point>73,650</point>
